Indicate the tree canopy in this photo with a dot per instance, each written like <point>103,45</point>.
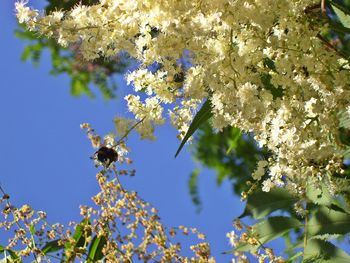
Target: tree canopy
<point>261,88</point>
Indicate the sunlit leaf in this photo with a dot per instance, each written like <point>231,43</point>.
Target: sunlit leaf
<point>319,195</point>
<point>32,229</point>
<point>203,115</point>
<point>328,221</point>
<point>318,251</point>
<point>233,141</point>
<point>79,234</point>
<point>95,250</point>
<point>26,53</point>
<point>294,257</point>
<point>78,87</point>
<point>342,13</point>
<point>344,119</point>
<point>261,204</point>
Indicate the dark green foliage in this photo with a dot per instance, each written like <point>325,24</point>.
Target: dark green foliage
<point>277,92</point>
<point>232,155</point>
<point>193,186</point>
<point>266,81</point>
<point>95,250</point>
<point>51,247</point>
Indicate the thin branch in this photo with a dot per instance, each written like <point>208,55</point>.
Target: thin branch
<point>305,228</point>
<point>17,223</point>
<point>129,130</point>
<point>323,7</point>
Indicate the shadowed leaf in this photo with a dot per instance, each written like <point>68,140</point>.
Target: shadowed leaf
<point>261,204</point>
<point>95,250</point>
<point>318,251</point>
<point>329,221</point>
<point>52,246</point>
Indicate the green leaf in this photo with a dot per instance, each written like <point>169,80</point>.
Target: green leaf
<point>25,34</point>
<point>266,81</point>
<point>274,227</point>
<point>52,246</point>
<point>95,250</point>
<point>346,153</point>
<point>80,84</point>
<point>32,229</point>
<point>78,235</point>
<point>203,115</point>
<point>14,256</point>
<point>344,120</point>
<point>32,52</point>
<point>261,204</point>
<point>78,87</point>
<point>327,221</point>
<point>322,251</point>
<point>319,195</point>
<point>193,187</point>
<point>338,27</point>
<point>342,13</point>
<point>270,229</point>
<point>233,141</point>
<point>294,257</point>
<point>26,53</point>
<point>269,63</point>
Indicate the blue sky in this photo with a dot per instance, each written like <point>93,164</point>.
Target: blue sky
<point>45,156</point>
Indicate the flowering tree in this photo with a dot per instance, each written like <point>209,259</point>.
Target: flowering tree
<point>69,60</point>
<point>276,70</point>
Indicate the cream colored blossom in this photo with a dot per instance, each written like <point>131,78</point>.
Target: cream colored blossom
<point>258,62</point>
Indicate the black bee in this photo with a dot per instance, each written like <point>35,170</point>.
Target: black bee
<point>179,77</point>
<point>106,156</point>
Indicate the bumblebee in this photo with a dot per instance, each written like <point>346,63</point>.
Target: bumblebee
<point>106,156</point>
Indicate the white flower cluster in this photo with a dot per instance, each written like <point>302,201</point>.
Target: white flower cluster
<point>260,63</point>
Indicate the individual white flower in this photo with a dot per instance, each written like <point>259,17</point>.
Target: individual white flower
<point>260,170</point>
<point>232,237</point>
<point>267,185</point>
<point>24,13</point>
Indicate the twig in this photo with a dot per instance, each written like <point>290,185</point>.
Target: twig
<point>323,7</point>
<point>305,227</point>
<point>16,221</point>
<point>129,130</point>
